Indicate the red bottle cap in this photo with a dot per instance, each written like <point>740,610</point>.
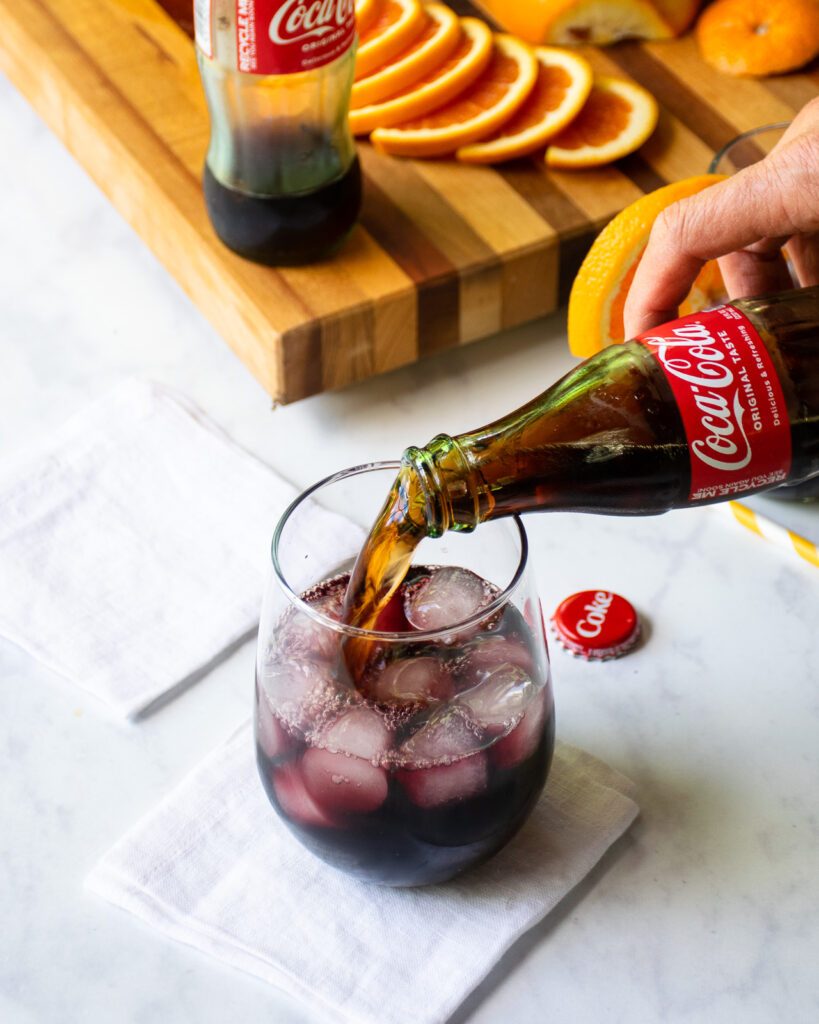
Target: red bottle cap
<point>596,624</point>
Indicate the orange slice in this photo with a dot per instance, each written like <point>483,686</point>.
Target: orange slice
<point>759,37</point>
<point>466,62</point>
<point>366,12</point>
<point>564,80</point>
<point>617,119</point>
<point>498,94</point>
<point>598,295</point>
<point>566,22</point>
<point>436,42</point>
<point>396,24</point>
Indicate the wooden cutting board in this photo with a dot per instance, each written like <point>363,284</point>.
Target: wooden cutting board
<point>443,254</point>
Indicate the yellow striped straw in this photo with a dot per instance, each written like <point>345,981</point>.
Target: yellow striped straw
<point>773,532</point>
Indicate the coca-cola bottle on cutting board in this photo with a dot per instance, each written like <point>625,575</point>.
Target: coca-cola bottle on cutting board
<point>282,180</point>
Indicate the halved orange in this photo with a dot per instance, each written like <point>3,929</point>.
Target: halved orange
<point>498,94</point>
<point>366,12</point>
<point>437,40</point>
<point>463,66</point>
<point>567,22</point>
<point>617,118</point>
<point>599,291</point>
<point>564,80</point>
<point>759,37</point>
<point>396,24</point>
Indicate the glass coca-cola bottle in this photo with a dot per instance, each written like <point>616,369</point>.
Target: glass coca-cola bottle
<point>282,180</point>
<point>702,409</point>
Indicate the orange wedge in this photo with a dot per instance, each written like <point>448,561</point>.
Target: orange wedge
<point>436,42</point>
<point>366,12</point>
<point>759,37</point>
<point>566,22</point>
<point>564,81</point>
<point>499,93</point>
<point>617,118</point>
<point>598,295</point>
<point>395,26</point>
<point>464,65</point>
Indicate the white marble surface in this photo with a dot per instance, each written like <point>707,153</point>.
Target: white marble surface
<point>708,911</point>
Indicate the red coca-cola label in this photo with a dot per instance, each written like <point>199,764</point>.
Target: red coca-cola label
<point>730,400</point>
<point>280,37</point>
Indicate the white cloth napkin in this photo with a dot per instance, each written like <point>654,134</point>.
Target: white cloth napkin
<point>134,545</point>
<point>214,868</point>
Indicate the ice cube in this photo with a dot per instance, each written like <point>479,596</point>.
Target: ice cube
<point>500,700</point>
<point>302,693</point>
<point>302,636</point>
<point>342,782</point>
<point>448,596</point>
<point>270,733</point>
<point>447,736</point>
<point>412,680</point>
<point>361,731</point>
<point>443,760</point>
<point>488,653</point>
<point>294,800</point>
<point>523,740</point>
<point>445,783</point>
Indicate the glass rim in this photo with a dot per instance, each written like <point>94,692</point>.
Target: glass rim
<point>749,134</point>
<point>415,635</point>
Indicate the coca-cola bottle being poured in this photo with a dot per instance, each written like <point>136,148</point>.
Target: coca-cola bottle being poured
<point>282,181</point>
<point>703,409</point>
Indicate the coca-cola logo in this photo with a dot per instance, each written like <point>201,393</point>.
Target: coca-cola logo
<point>715,392</point>
<point>592,624</point>
<point>298,20</point>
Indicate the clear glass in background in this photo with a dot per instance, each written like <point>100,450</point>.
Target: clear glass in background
<point>747,148</point>
<point>391,789</point>
<point>741,152</point>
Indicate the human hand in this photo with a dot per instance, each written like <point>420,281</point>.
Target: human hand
<point>744,221</point>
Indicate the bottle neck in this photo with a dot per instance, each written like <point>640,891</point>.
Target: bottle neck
<point>453,495</point>
<point>605,438</point>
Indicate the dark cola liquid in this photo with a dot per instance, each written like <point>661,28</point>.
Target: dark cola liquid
<point>287,228</point>
<point>419,770</point>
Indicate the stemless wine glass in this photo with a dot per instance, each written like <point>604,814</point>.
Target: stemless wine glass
<point>432,761</point>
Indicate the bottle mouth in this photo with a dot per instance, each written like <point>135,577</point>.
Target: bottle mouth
<point>443,470</point>
<point>415,636</point>
<point>423,465</point>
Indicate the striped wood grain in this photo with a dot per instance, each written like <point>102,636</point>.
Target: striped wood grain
<point>443,254</point>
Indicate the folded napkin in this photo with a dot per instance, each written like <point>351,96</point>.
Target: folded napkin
<point>134,545</point>
<point>213,867</point>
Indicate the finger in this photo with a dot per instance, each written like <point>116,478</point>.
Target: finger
<point>807,120</point>
<point>724,218</point>
<point>755,271</point>
<point>803,253</point>
<point>657,291</point>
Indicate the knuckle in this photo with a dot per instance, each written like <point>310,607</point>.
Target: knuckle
<point>675,226</point>
<point>809,114</point>
<point>792,183</point>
